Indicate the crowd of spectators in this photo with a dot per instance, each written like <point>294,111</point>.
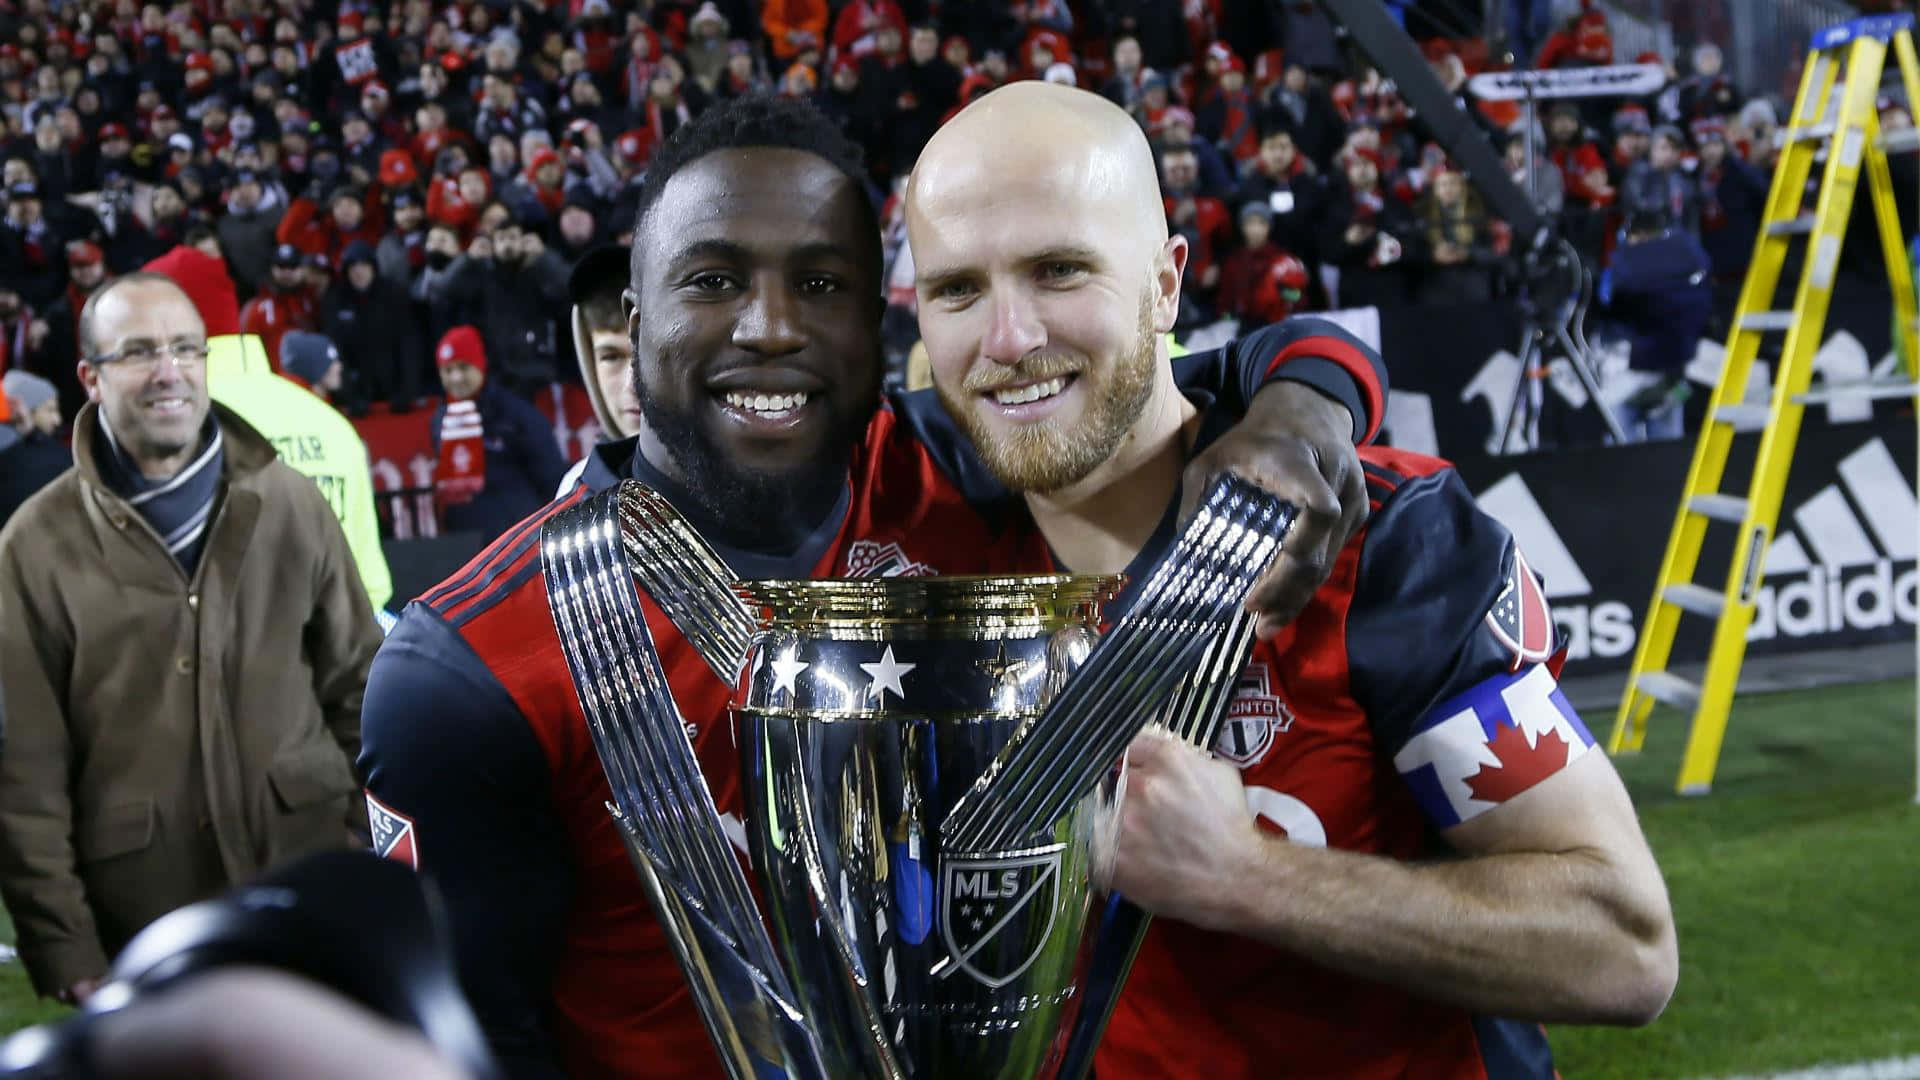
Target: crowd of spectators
<point>380,172</point>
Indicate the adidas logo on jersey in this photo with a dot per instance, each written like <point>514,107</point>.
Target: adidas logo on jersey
<point>1832,563</point>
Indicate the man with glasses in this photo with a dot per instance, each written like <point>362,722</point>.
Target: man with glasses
<point>184,640</point>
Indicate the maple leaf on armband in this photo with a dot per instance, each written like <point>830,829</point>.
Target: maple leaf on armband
<point>1521,766</point>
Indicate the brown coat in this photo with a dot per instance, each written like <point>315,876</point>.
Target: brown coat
<point>166,738</point>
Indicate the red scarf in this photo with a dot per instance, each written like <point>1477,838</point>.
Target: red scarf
<point>462,473</point>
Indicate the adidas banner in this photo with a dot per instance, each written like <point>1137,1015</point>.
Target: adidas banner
<point>1839,567</point>
<point>1453,374</point>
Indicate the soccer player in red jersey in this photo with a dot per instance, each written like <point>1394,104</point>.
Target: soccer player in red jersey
<point>1404,852</point>
<point>754,310</point>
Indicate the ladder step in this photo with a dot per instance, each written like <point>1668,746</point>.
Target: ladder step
<point>1696,598</point>
<point>1899,142</point>
<point>1872,389</point>
<point>1668,689</point>
<point>1730,508</point>
<point>1813,133</point>
<point>1767,320</point>
<point>1799,226</point>
<point>1743,417</point>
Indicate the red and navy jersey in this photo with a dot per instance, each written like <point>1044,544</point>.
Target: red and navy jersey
<point>1414,692</point>
<point>482,774</point>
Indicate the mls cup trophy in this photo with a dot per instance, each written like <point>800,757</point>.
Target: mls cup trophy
<point>929,776</point>
<point>867,710</point>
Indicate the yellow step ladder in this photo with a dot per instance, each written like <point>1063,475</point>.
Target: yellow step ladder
<point>1834,118</point>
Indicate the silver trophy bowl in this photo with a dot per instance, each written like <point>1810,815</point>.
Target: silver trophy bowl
<point>865,710</point>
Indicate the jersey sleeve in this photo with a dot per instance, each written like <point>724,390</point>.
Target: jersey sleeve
<point>1320,353</point>
<point>457,785</point>
<point>1451,648</point>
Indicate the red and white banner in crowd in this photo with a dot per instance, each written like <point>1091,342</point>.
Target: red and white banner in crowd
<point>400,451</point>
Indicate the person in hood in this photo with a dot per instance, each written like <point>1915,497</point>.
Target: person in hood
<point>372,322</point>
<point>600,340</point>
<point>497,456</point>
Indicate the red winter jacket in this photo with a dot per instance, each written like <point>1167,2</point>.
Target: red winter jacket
<point>313,231</point>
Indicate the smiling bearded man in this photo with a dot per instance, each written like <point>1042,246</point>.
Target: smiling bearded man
<point>754,307</point>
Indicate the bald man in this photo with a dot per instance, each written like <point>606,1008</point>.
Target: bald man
<point>1410,711</point>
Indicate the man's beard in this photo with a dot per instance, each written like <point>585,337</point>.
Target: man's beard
<point>762,511</point>
<point>1045,457</point>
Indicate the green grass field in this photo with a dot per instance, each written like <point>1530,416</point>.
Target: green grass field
<point>1796,886</point>
<point>1794,889</point>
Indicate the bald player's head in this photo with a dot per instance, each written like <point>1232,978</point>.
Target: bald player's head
<point>1033,138</point>
<point>1046,278</point>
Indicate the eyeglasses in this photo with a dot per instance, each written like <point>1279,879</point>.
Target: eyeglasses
<point>144,356</point>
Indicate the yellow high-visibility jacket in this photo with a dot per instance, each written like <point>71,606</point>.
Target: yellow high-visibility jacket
<point>312,437</point>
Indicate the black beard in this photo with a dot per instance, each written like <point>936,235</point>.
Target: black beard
<point>764,512</point>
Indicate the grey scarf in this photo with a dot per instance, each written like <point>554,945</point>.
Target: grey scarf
<point>179,508</point>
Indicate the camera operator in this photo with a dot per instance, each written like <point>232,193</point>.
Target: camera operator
<point>1658,290</point>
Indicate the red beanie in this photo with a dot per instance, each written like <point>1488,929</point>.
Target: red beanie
<point>461,345</point>
<point>204,279</point>
<point>396,169</point>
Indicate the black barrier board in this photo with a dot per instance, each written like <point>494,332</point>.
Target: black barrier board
<point>1839,568</point>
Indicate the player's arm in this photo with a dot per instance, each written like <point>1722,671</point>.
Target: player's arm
<point>1554,912</point>
<point>1304,392</point>
<point>449,757</point>
<point>1551,907</point>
